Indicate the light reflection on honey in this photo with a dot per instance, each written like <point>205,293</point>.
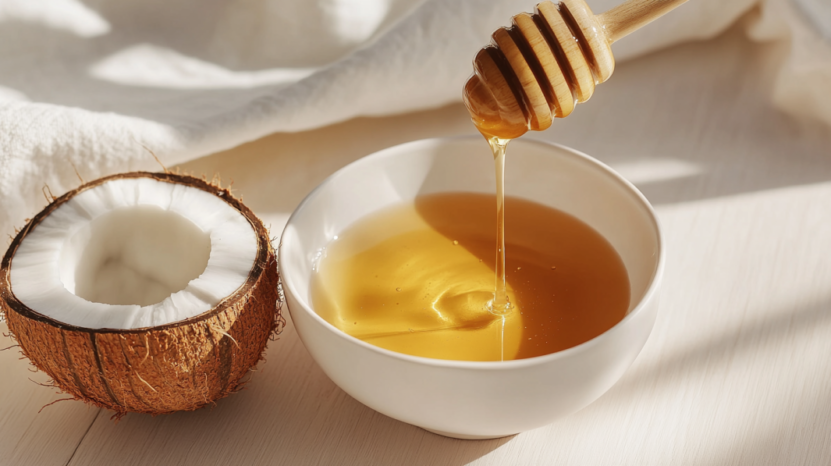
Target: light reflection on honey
<point>417,278</point>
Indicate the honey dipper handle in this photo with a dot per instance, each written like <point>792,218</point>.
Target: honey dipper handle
<point>624,19</point>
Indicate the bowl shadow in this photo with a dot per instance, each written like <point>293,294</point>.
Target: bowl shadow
<point>288,394</point>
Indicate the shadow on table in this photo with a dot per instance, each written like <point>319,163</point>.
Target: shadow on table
<point>290,413</point>
<point>725,368</point>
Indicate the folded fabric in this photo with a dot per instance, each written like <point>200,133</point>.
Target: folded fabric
<point>85,87</point>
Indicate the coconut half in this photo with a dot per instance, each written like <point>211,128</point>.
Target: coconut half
<point>143,292</point>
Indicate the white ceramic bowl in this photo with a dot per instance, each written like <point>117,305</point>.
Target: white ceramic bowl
<point>476,399</point>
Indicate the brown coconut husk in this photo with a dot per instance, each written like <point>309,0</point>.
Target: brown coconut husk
<point>179,366</point>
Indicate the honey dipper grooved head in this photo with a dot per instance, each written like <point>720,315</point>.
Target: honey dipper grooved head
<point>537,69</point>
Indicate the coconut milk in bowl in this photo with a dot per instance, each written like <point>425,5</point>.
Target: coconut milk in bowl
<point>435,354</point>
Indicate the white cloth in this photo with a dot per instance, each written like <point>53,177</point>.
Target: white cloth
<point>83,85</point>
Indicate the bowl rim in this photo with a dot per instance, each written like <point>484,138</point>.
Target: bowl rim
<point>649,295</point>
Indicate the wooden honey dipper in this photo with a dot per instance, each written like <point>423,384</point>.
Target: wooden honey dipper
<point>546,62</point>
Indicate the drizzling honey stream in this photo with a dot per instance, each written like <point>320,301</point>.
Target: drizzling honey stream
<point>533,71</point>
<point>538,69</point>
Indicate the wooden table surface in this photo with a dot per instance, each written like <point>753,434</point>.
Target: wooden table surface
<point>738,367</point>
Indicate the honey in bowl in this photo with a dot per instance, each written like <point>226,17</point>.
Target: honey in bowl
<point>418,278</point>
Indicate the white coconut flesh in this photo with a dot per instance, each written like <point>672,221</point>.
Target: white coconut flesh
<point>134,253</point>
